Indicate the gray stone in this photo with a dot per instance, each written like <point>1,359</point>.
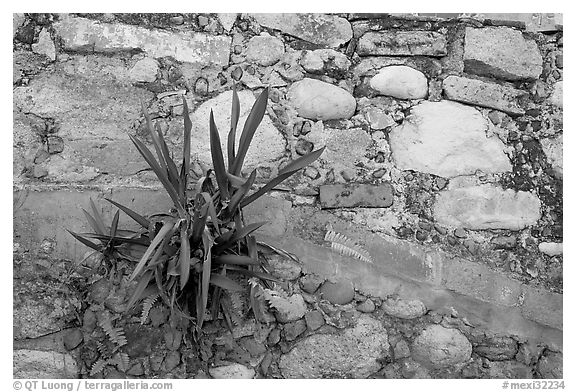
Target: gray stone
<point>367,306</point>
<point>413,370</point>
<point>45,45</point>
<point>486,207</point>
<point>552,148</point>
<point>171,361</point>
<point>352,354</point>
<point>267,145</point>
<point>401,350</point>
<point>290,309</point>
<point>294,329</point>
<point>233,371</point>
<point>314,320</point>
<point>72,339</point>
<point>501,52</point>
<point>439,347</point>
<point>447,139</point>
<point>556,98</point>
<point>356,195</point>
<point>283,267</point>
<point>321,29</point>
<point>18,20</point>
<point>551,248</point>
<point>144,70</point>
<point>402,43</point>
<point>33,364</point>
<point>325,60</point>
<point>400,81</point>
<point>404,309</point>
<point>550,365</point>
<point>227,20</point>
<point>340,292</point>
<point>477,92</point>
<point>311,282</point>
<point>319,100</point>
<point>80,34</point>
<point>497,348</point>
<point>378,119</point>
<point>264,50</point>
<point>510,370</point>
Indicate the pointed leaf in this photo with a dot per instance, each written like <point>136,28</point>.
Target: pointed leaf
<point>170,165</point>
<point>239,235</point>
<point>184,257</point>
<point>241,193</point>
<point>235,181</point>
<point>261,275</point>
<point>233,125</point>
<point>97,217</point>
<point>168,226</point>
<point>236,260</point>
<point>225,283</point>
<point>211,210</point>
<point>155,140</point>
<point>86,242</point>
<point>140,287</point>
<point>217,158</point>
<point>250,126</point>
<point>92,222</point>
<point>145,223</point>
<point>114,226</point>
<point>206,272</point>
<point>302,162</point>
<point>187,134</point>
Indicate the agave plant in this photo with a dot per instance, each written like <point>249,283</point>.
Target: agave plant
<point>204,239</point>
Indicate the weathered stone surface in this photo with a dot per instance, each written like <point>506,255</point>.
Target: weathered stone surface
<point>401,350</point>
<point>367,306</point>
<point>447,139</point>
<point>486,207</point>
<point>72,339</point>
<point>556,98</point>
<point>327,30</point>
<point>510,370</point>
<point>273,210</point>
<point>227,20</point>
<point>497,348</point>
<point>356,195</point>
<point>232,371</point>
<point>404,309</point>
<point>378,119</point>
<point>314,320</point>
<point>353,354</point>
<point>532,21</point>
<point>294,329</point>
<point>553,149</point>
<point>264,50</point>
<point>267,145</point>
<point>80,34</point>
<point>477,92</point>
<point>144,70</point>
<point>45,45</point>
<point>290,309</point>
<point>33,364</point>
<point>501,52</point>
<point>400,81</point>
<point>402,43</point>
<point>543,307</point>
<point>319,100</point>
<point>550,365</point>
<point>17,21</point>
<point>325,60</point>
<point>340,292</point>
<point>439,347</point>
<point>283,267</point>
<point>551,248</point>
<point>311,282</point>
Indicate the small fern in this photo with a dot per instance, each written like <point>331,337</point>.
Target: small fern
<point>346,247</point>
<point>98,366</point>
<point>147,306</point>
<point>116,335</point>
<point>122,361</point>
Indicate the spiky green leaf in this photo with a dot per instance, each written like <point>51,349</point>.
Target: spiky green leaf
<point>145,223</point>
<point>217,158</point>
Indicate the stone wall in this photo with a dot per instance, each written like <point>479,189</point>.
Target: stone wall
<point>443,136</point>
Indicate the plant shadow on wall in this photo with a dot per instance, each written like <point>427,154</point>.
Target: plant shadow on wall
<point>188,256</point>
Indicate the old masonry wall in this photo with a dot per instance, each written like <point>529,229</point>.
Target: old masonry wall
<point>443,158</point>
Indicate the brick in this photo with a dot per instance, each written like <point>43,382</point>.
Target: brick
<point>477,92</point>
<point>402,43</point>
<point>356,195</point>
<point>479,281</point>
<point>80,34</point>
<point>543,306</point>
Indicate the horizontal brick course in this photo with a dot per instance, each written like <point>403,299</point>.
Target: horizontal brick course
<point>356,195</point>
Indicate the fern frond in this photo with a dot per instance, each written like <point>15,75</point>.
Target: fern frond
<point>104,350</point>
<point>147,306</point>
<point>346,247</point>
<point>116,335</point>
<point>98,366</point>
<point>122,361</point>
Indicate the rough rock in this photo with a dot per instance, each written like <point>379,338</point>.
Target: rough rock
<point>439,347</point>
<point>556,98</point>
<point>378,119</point>
<point>144,70</point>
<point>290,309</point>
<point>18,20</point>
<point>486,207</point>
<point>235,370</point>
<point>550,365</point>
<point>294,329</point>
<point>227,20</point>
<point>404,309</point>
<point>326,30</point>
<point>477,92</point>
<point>352,354</point>
<point>267,145</point>
<point>551,248</point>
<point>317,100</point>
<point>264,50</point>
<point>402,43</point>
<point>356,195</point>
<point>325,60</point>
<point>33,364</point>
<point>45,45</point>
<point>314,320</point>
<point>497,348</point>
<point>552,148</point>
<point>80,34</point>
<point>341,292</point>
<point>367,306</point>
<point>510,370</point>
<point>72,339</point>
<point>400,81</point>
<point>283,267</point>
<point>447,139</point>
<point>501,52</point>
<point>311,282</point>
<point>401,350</point>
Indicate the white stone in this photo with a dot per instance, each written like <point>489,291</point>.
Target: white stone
<point>79,34</point>
<point>267,145</point>
<point>45,45</point>
<point>317,100</point>
<point>227,20</point>
<point>553,150</point>
<point>316,61</point>
<point>447,139</point>
<point>439,347</point>
<point>400,81</point>
<point>486,207</point>
<point>404,309</point>
<point>43,364</point>
<point>144,70</point>
<point>556,98</point>
<point>17,21</point>
<point>264,50</point>
<point>551,248</point>
<point>233,371</point>
<point>378,119</point>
